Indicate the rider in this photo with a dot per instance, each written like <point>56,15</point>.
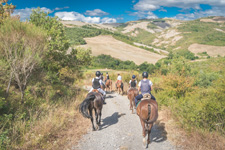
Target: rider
<point>119,79</point>
<point>97,83</point>
<point>133,82</point>
<point>107,77</point>
<point>145,86</point>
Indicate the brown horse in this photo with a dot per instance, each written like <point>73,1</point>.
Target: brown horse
<point>119,87</point>
<point>147,110</point>
<point>108,85</point>
<point>132,93</point>
<point>94,100</point>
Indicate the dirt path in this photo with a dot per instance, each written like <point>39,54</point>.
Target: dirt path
<point>121,130</point>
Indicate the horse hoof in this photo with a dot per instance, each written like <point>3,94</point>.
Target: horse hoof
<point>93,129</point>
<point>144,142</point>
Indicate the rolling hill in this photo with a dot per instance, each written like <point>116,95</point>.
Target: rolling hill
<point>159,34</point>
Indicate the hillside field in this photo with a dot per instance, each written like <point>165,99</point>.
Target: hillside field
<point>109,46</point>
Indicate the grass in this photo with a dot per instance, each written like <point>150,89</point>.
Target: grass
<point>144,37</point>
<point>50,131</point>
<point>201,33</point>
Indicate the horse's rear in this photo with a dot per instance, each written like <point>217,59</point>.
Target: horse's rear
<point>119,87</point>
<point>94,100</point>
<point>108,85</point>
<point>132,93</point>
<point>147,111</point>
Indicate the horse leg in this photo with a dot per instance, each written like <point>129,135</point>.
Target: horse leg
<point>100,115</point>
<point>149,132</point>
<point>143,131</point>
<point>96,118</point>
<point>93,127</point>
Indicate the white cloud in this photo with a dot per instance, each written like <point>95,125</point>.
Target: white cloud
<point>108,20</point>
<point>151,15</point>
<point>25,13</point>
<point>75,16</point>
<point>144,14</point>
<point>150,5</point>
<point>218,7</point>
<point>96,12</point>
<point>215,11</point>
<point>61,8</point>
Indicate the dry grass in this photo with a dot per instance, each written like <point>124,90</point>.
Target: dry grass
<point>109,46</point>
<point>213,51</point>
<point>192,140</point>
<point>59,128</point>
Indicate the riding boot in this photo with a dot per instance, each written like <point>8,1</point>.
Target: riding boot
<point>104,97</point>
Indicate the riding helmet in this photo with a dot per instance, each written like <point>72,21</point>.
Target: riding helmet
<point>145,75</point>
<point>98,73</point>
<point>133,76</point>
<point>106,72</point>
<point>101,73</point>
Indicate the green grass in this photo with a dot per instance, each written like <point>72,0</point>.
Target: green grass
<point>144,37</point>
<point>201,33</point>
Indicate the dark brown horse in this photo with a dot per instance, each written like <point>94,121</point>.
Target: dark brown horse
<point>108,85</point>
<point>147,110</point>
<point>94,100</point>
<point>119,87</point>
<point>131,94</point>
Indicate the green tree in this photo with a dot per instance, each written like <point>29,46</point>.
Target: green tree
<point>5,10</point>
<point>58,44</point>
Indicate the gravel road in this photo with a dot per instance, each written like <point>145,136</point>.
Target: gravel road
<point>121,130</point>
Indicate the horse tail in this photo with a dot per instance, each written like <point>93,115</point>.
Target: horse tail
<point>149,113</point>
<point>83,108</point>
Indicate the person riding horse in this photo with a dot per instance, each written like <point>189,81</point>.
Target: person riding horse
<point>133,82</point>
<point>119,79</point>
<point>107,77</point>
<point>97,83</point>
<point>145,86</point>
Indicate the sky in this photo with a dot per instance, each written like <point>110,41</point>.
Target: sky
<point>117,11</point>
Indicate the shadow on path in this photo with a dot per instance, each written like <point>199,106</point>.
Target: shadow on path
<point>110,96</point>
<point>111,120</point>
<point>158,133</point>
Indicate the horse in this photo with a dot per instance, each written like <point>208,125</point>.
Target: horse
<point>119,87</point>
<point>93,100</point>
<point>108,85</point>
<point>132,93</point>
<point>147,110</point>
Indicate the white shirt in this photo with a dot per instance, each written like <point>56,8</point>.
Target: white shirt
<point>100,81</point>
<point>119,78</point>
<point>150,83</point>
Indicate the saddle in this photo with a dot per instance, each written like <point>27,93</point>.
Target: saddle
<point>95,90</point>
<point>146,96</point>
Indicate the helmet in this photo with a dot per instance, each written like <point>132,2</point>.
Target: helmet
<point>145,75</point>
<point>106,72</point>
<point>133,76</point>
<point>101,73</point>
<point>98,73</point>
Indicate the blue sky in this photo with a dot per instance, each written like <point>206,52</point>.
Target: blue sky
<point>111,11</point>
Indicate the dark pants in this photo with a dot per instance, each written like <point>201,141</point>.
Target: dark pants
<point>139,97</point>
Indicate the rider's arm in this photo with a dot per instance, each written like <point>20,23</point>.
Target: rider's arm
<point>151,84</point>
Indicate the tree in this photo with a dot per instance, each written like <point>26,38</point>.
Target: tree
<point>5,10</point>
<point>22,46</point>
<point>58,44</point>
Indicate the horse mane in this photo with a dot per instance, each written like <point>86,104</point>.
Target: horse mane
<point>83,108</point>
